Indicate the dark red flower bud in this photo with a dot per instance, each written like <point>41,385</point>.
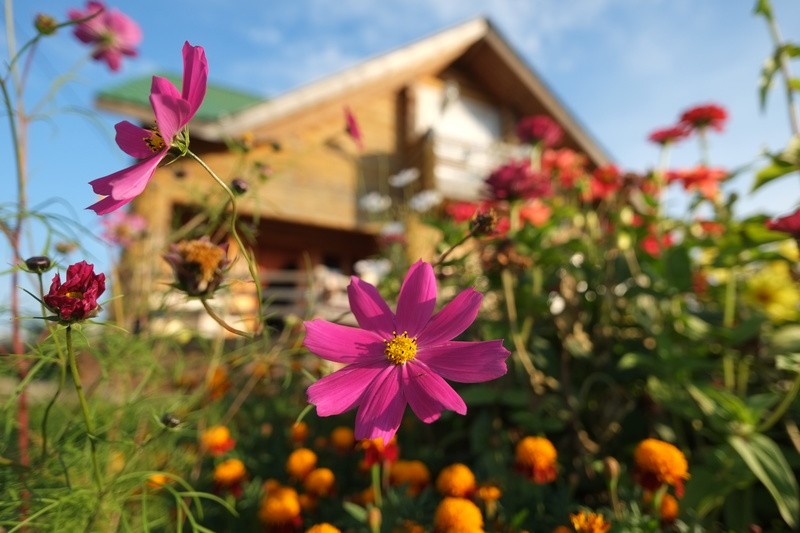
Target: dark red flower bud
<point>239,186</point>
<point>38,264</point>
<point>76,299</point>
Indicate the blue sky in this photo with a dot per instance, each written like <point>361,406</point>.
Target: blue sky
<point>623,67</point>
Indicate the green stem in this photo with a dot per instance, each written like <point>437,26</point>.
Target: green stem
<point>783,62</point>
<point>87,418</point>
<point>779,411</point>
<point>251,265</point>
<point>375,471</point>
<point>728,319</point>
<point>219,320</point>
<point>536,378</point>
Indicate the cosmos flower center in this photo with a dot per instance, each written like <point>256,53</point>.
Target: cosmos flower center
<point>154,141</point>
<point>74,294</point>
<point>401,348</point>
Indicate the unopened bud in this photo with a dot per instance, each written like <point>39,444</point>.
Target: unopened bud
<point>45,24</point>
<point>170,420</point>
<point>38,264</point>
<point>239,186</point>
<point>611,468</point>
<point>374,519</point>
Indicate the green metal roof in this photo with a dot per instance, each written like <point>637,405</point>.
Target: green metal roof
<point>219,101</point>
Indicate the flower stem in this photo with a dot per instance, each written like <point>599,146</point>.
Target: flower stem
<point>219,320</point>
<point>787,401</point>
<point>251,265</point>
<point>87,418</point>
<point>535,376</point>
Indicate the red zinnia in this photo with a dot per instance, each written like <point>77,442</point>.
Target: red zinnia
<point>517,180</point>
<point>788,224</point>
<point>76,298</point>
<point>703,116</point>
<point>605,181</point>
<point>673,134</point>
<point>701,178</point>
<point>539,129</point>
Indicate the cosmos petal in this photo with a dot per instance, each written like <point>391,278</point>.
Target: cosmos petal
<point>428,394</point>
<point>369,308</point>
<point>341,391</point>
<point>195,76</point>
<point>125,184</point>
<point>452,319</point>
<point>343,344</point>
<point>466,362</point>
<point>171,111</point>
<point>107,205</point>
<point>382,406</point>
<point>417,299</point>
<point>131,139</point>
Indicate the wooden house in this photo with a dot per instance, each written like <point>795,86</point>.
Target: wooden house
<point>446,105</point>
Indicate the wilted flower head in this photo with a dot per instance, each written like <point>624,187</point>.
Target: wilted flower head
<point>112,33</point>
<point>517,181</point>
<point>172,110</point>
<point>457,515</point>
<point>704,116</point>
<point>123,228</point>
<point>199,265</point>
<point>351,127</point>
<point>670,135</point>
<point>76,299</point>
<point>660,463</point>
<point>402,358</point>
<point>537,458</point>
<point>404,177</point>
<point>539,129</point>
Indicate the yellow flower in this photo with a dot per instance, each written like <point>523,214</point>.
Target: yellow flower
<point>342,439</point>
<point>658,463</point>
<point>229,472</point>
<point>301,462</point>
<point>319,481</point>
<point>456,480</point>
<point>156,481</point>
<point>217,440</point>
<point>790,249</point>
<point>457,515</point>
<point>412,473</point>
<point>589,522</point>
<point>537,457</point>
<point>281,505</point>
<point>323,528</point>
<point>773,291</point>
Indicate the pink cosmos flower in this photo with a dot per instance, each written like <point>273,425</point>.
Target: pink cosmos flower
<point>112,33</point>
<point>403,358</point>
<point>76,299</point>
<point>671,135</point>
<point>173,110</point>
<point>704,116</point>
<point>539,129</point>
<point>352,129</point>
<point>122,228</point>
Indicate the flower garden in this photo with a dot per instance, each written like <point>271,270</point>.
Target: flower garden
<point>571,359</point>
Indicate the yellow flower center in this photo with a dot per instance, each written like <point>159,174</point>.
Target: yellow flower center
<point>154,141</point>
<point>74,294</point>
<point>401,349</point>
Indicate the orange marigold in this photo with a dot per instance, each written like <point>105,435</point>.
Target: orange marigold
<point>489,493</point>
<point>536,457</point>
<point>323,528</point>
<point>300,462</point>
<point>156,481</point>
<point>217,440</point>
<point>414,474</point>
<point>319,482</point>
<point>589,522</point>
<point>343,439</point>
<point>456,480</point>
<point>658,463</point>
<point>229,472</point>
<point>457,515</point>
<point>375,451</point>
<point>280,506</point>
<point>299,432</point>
<point>669,507</point>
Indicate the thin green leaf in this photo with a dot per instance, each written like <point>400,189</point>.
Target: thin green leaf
<point>774,170</point>
<point>765,459</point>
<point>356,511</point>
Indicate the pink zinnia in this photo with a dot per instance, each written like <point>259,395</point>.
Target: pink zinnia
<point>539,129</point>
<point>403,358</point>
<point>123,228</point>
<point>112,33</point>
<point>703,116</point>
<point>517,180</point>
<point>352,129</point>
<point>671,135</point>
<point>173,110</point>
<point>788,224</point>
